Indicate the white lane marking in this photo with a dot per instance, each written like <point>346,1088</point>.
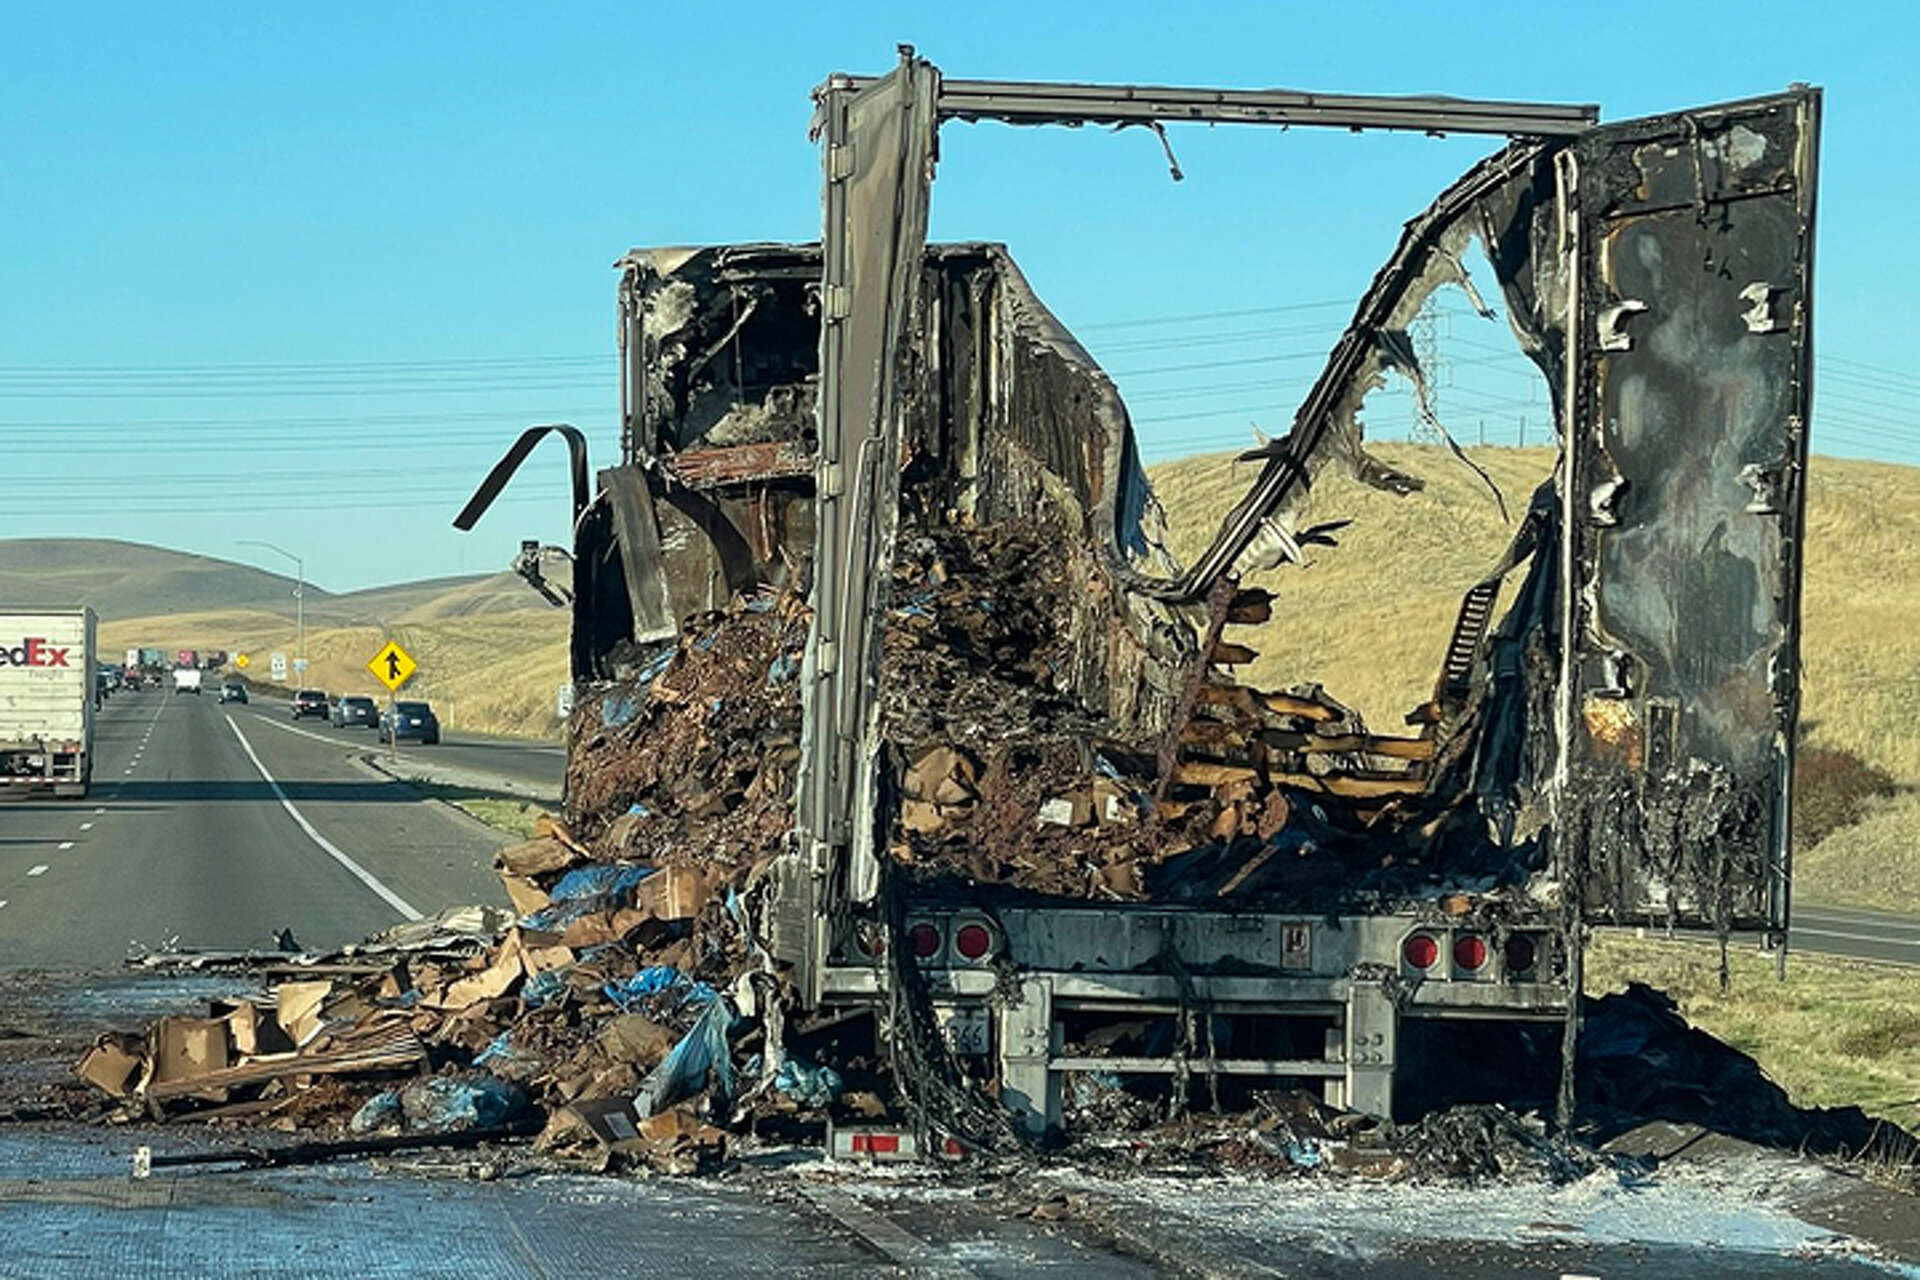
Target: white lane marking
<point>1797,932</point>
<point>1860,920</point>
<point>39,870</point>
<point>65,845</point>
<point>125,772</point>
<point>86,826</point>
<point>359,872</point>
<point>101,809</point>
<point>305,733</point>
<point>3,903</point>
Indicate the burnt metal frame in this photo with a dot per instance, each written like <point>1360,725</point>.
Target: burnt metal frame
<point>880,146</point>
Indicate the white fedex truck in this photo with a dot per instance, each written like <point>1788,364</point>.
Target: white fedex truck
<point>47,698</point>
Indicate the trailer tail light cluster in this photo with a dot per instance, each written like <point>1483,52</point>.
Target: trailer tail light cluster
<point>1471,955</point>
<point>963,940</point>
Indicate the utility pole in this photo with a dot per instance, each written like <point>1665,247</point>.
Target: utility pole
<point>299,602</point>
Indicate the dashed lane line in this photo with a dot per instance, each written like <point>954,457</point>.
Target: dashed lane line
<point>65,845</point>
<point>39,869</point>
<point>358,872</point>
<point>86,826</point>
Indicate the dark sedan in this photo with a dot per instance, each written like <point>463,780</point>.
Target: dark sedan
<point>410,720</point>
<point>351,711</point>
<point>310,702</point>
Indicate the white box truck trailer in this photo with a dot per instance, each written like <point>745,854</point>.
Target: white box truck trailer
<point>47,699</point>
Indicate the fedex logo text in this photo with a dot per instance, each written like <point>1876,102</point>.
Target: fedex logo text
<point>33,651</point>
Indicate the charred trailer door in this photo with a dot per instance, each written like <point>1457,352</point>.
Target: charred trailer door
<point>1686,248</point>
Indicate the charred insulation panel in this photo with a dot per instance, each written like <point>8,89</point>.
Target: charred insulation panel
<point>1692,239</point>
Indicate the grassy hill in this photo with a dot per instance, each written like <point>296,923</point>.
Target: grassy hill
<point>1370,620</point>
<point>129,579</point>
<point>134,580</point>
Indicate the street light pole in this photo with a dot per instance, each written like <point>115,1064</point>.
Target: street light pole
<point>299,600</point>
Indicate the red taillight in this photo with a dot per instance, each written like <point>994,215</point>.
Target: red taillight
<point>1521,953</point>
<point>925,939</point>
<point>1469,952</point>
<point>973,941</point>
<point>1421,951</point>
<point>878,1144</point>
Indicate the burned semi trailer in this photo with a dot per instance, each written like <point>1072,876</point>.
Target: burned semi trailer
<point>1026,814</point>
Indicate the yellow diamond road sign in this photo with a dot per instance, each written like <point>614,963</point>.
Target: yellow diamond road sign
<point>392,665</point>
<point>240,661</point>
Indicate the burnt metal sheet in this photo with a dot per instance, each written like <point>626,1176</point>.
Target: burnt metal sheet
<point>504,470</point>
<point>636,531</point>
<point>1690,246</point>
<point>1054,102</point>
<point>871,293</point>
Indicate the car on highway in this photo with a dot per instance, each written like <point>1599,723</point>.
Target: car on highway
<point>355,710</point>
<point>410,720</point>
<point>310,702</point>
<point>232,691</point>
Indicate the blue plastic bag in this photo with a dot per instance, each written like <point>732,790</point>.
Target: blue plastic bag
<point>807,1084</point>
<point>441,1105</point>
<point>611,880</point>
<point>703,1059</point>
<point>654,980</point>
<point>380,1111</point>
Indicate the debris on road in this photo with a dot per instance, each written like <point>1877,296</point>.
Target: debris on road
<point>618,1060</point>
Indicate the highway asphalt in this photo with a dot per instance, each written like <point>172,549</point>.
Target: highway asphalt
<point>215,826</point>
<point>517,759</point>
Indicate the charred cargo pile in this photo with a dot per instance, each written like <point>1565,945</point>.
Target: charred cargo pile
<point>1006,779</point>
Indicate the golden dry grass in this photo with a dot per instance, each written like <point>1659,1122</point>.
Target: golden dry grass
<point>1834,1033</point>
<point>1370,618</point>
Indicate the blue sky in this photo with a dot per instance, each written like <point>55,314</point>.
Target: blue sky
<point>301,275</point>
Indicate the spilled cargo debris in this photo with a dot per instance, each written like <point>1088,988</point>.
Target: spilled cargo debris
<point>627,1063</point>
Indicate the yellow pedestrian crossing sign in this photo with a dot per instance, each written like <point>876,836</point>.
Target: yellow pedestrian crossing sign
<point>392,666</point>
<point>240,661</point>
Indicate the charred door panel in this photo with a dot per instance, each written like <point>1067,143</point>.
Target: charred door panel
<point>879,165</point>
<point>1691,240</point>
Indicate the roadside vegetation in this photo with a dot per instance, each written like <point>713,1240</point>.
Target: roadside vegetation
<point>515,817</point>
<point>1834,1033</point>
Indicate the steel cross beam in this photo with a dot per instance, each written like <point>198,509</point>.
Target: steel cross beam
<point>1039,102</point>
